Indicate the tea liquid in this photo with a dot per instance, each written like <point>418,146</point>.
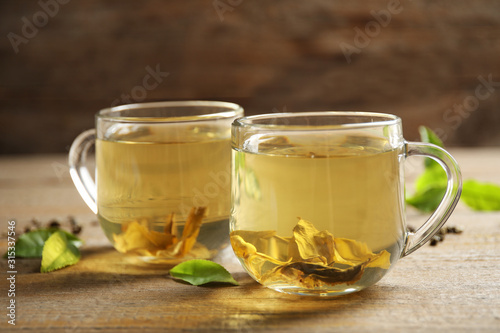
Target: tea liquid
<point>352,189</point>
<point>144,180</point>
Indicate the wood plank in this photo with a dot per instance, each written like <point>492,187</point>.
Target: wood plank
<point>454,286</point>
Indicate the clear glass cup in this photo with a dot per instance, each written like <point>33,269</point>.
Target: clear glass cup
<point>318,199</point>
<point>162,190</point>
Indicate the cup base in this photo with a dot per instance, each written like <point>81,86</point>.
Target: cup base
<point>316,293</point>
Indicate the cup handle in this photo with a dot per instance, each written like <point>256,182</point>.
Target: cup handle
<point>78,169</point>
<point>452,195</point>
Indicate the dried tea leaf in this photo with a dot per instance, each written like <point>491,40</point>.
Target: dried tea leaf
<point>242,248</point>
<point>312,275</point>
<point>170,226</point>
<point>139,239</point>
<point>308,242</point>
<point>191,229</point>
<point>58,252</point>
<point>248,252</point>
<point>160,240</point>
<point>351,252</point>
<point>312,256</point>
<point>265,242</point>
<point>302,245</point>
<point>135,237</point>
<point>198,272</point>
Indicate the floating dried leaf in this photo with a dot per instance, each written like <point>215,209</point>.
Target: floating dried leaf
<point>191,229</point>
<point>170,226</point>
<point>139,239</point>
<point>313,256</point>
<point>308,243</point>
<point>309,275</point>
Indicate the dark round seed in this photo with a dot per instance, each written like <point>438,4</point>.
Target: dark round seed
<point>454,230</point>
<point>54,224</point>
<point>36,223</point>
<point>76,229</point>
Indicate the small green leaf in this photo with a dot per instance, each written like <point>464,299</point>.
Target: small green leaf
<point>430,187</point>
<point>30,244</point>
<point>198,272</point>
<point>427,200</point>
<point>428,136</point>
<point>432,177</point>
<point>58,252</point>
<point>481,196</point>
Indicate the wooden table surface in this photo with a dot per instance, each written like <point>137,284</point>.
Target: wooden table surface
<point>454,286</point>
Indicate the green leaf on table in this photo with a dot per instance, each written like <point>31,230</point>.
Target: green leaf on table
<point>30,244</point>
<point>198,272</point>
<point>428,136</point>
<point>430,187</point>
<point>432,177</point>
<point>481,196</point>
<point>58,252</point>
<point>428,200</point>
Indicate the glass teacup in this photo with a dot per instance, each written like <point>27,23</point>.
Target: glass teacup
<point>162,189</point>
<point>318,199</point>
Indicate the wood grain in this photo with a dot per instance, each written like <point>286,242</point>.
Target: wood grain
<point>454,286</point>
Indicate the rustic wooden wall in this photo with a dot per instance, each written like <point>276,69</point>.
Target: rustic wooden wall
<point>427,61</point>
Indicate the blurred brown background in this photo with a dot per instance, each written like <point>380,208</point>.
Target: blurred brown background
<point>434,63</point>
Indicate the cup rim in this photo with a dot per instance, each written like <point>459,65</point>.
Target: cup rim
<point>386,119</point>
<point>228,110</point>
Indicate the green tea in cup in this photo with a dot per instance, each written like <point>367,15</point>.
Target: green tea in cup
<point>162,188</point>
<point>318,199</point>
